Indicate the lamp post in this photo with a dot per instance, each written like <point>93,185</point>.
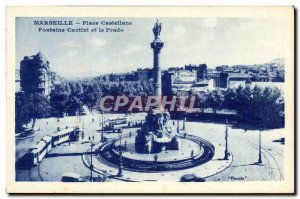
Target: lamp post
<point>183,126</point>
<point>82,127</point>
<point>226,153</point>
<point>83,123</point>
<point>91,165</point>
<point>178,126</point>
<point>259,162</point>
<point>102,130</point>
<point>120,172</point>
<point>79,111</point>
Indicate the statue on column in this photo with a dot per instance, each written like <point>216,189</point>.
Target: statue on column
<point>156,135</point>
<point>156,30</point>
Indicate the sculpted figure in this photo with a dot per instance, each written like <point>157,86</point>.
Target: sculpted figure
<point>156,29</point>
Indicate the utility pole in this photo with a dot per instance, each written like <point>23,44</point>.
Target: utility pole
<point>120,172</point>
<point>259,162</point>
<point>102,132</point>
<point>79,112</point>
<point>82,123</point>
<point>226,153</point>
<point>183,126</point>
<point>91,166</point>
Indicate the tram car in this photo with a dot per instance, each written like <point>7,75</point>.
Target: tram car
<point>68,134</point>
<point>135,124</point>
<point>112,128</point>
<point>36,154</point>
<point>115,125</point>
<point>43,147</point>
<point>77,135</point>
<point>118,121</point>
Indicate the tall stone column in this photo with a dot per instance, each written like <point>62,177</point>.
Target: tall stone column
<point>157,45</point>
<point>154,135</point>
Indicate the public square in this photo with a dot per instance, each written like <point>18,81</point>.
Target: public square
<point>151,146</point>
<point>75,157</point>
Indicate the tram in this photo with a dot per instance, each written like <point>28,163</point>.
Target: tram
<point>36,154</point>
<point>68,134</point>
<point>118,121</point>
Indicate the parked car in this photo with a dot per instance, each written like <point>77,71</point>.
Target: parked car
<point>71,177</point>
<point>191,178</point>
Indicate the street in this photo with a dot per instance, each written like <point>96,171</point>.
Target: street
<point>243,145</point>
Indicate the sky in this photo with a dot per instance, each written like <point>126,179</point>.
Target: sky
<point>214,41</point>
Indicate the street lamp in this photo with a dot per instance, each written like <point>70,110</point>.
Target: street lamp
<point>120,172</point>
<point>91,165</point>
<point>226,153</point>
<point>102,132</point>
<point>259,162</point>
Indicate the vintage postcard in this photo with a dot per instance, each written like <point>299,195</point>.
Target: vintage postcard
<point>150,100</point>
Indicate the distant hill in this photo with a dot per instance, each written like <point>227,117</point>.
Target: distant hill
<point>277,61</point>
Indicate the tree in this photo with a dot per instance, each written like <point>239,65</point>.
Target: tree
<point>255,106</point>
<point>22,115</point>
<point>244,104</point>
<point>74,104</point>
<point>30,107</point>
<point>272,108</point>
<point>91,96</point>
<point>38,106</point>
<point>201,101</point>
<point>59,97</point>
<point>230,99</point>
<point>215,100</point>
<point>75,98</point>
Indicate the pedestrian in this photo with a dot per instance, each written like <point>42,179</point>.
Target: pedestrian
<point>155,157</point>
<point>125,145</point>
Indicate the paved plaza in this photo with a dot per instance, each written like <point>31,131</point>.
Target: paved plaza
<point>240,167</point>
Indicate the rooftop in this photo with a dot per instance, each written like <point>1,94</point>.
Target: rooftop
<point>238,75</point>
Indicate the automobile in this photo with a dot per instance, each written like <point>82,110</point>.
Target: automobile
<point>191,178</point>
<point>71,177</point>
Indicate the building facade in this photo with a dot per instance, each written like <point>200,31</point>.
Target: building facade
<point>200,69</point>
<point>17,81</point>
<point>219,79</point>
<point>236,79</point>
<point>181,80</point>
<point>35,76</point>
